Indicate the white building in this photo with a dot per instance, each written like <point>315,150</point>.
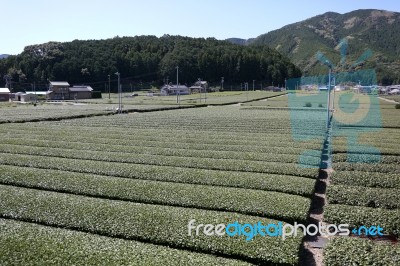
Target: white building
<point>4,95</point>
<point>174,90</point>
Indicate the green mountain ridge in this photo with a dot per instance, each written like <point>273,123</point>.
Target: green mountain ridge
<point>377,30</point>
<point>145,59</point>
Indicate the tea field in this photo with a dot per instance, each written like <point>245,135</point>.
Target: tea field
<point>121,189</point>
<point>134,181</point>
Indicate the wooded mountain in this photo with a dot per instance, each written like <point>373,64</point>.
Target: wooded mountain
<point>4,56</point>
<point>147,58</point>
<point>364,29</point>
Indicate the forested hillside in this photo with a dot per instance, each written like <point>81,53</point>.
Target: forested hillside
<point>364,29</point>
<point>146,58</point>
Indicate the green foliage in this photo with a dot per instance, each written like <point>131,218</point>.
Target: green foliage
<point>367,167</point>
<point>308,105</point>
<point>364,29</point>
<point>397,106</point>
<point>385,159</point>
<point>144,176</point>
<point>355,251</point>
<point>281,206</point>
<point>44,245</point>
<point>357,216</point>
<point>98,166</point>
<point>96,94</point>
<point>362,196</point>
<point>147,59</point>
<point>165,225</point>
<point>366,179</point>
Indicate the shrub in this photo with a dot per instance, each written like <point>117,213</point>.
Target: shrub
<point>362,196</point>
<point>96,94</point>
<point>308,104</point>
<point>354,251</point>
<point>357,216</point>
<point>164,225</point>
<point>247,201</point>
<point>397,106</point>
<point>366,179</point>
<point>45,245</point>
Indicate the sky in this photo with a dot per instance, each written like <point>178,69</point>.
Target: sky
<point>40,21</point>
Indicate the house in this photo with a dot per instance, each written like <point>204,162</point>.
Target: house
<point>59,90</point>
<point>199,86</point>
<point>80,92</point>
<point>4,95</point>
<point>174,90</point>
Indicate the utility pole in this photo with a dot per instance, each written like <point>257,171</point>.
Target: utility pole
<point>199,79</point>
<point>253,84</point>
<point>246,87</point>
<point>333,100</point>
<point>205,93</point>
<point>109,87</point>
<point>177,83</point>
<point>329,97</point>
<point>119,93</point>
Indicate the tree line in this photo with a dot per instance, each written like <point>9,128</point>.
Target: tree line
<point>145,59</point>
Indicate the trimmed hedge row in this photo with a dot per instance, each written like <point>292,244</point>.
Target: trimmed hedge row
<point>357,216</point>
<point>102,166</point>
<point>127,151</point>
<point>31,244</point>
<point>384,159</point>
<point>366,179</point>
<point>355,251</point>
<point>187,137</point>
<point>163,225</point>
<point>127,145</point>
<point>393,150</point>
<point>367,167</point>
<point>362,196</point>
<point>276,205</point>
<point>270,182</point>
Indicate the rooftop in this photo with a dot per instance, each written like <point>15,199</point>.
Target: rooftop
<point>80,88</point>
<point>4,90</point>
<point>59,83</point>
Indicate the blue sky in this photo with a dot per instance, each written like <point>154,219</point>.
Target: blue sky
<point>41,21</point>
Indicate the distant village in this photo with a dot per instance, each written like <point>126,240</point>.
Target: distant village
<point>62,90</point>
<point>58,91</point>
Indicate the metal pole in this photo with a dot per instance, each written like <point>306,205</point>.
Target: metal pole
<point>109,87</point>
<point>329,98</point>
<point>246,87</point>
<point>199,79</point>
<point>34,88</point>
<point>119,94</point>
<point>177,82</point>
<point>334,91</point>
<point>205,94</point>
